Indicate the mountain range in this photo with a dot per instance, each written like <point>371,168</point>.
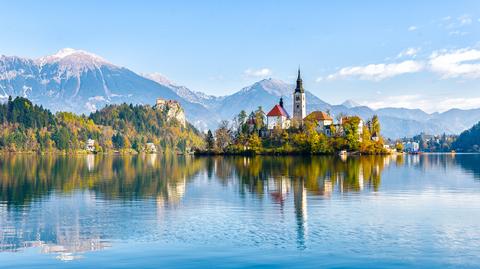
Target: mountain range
<point>82,82</point>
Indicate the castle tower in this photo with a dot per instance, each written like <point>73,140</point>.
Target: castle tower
<point>299,101</point>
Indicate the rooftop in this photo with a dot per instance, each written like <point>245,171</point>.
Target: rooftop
<point>318,116</point>
<point>276,111</point>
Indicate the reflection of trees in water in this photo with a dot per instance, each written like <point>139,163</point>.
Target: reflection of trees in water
<point>60,229</point>
<point>320,174</point>
<point>317,175</point>
<point>470,163</point>
<point>26,177</point>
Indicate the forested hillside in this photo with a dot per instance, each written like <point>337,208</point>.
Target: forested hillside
<point>469,140</point>
<point>30,128</point>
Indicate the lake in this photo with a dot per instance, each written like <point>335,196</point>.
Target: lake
<point>155,211</point>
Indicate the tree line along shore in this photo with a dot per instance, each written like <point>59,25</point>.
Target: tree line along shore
<point>132,129</point>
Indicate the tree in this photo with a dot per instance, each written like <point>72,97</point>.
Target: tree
<point>259,118</point>
<point>375,125</point>
<point>241,122</point>
<point>210,141</point>
<point>350,127</point>
<point>255,143</point>
<point>399,146</point>
<point>118,141</point>
<point>61,137</point>
<point>223,136</point>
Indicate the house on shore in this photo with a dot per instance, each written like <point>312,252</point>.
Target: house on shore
<point>90,146</point>
<point>150,148</point>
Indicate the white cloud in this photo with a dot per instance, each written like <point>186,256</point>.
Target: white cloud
<point>377,72</point>
<point>465,19</point>
<point>463,63</point>
<point>263,72</point>
<point>412,28</point>
<point>410,52</point>
<point>458,22</point>
<point>426,103</point>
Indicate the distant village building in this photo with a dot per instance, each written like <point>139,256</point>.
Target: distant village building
<point>173,110</point>
<point>90,145</point>
<point>411,147</point>
<point>278,117</point>
<point>151,148</point>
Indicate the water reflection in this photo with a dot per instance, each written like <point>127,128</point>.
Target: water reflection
<point>66,205</point>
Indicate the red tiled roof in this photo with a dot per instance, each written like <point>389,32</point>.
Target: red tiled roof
<point>318,116</point>
<point>277,110</point>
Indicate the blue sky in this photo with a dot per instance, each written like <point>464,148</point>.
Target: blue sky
<point>423,54</point>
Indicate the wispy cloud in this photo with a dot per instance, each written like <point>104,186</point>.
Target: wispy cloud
<point>463,63</point>
<point>409,52</point>
<point>377,72</point>
<point>450,22</point>
<point>458,33</point>
<point>258,73</point>
<point>465,19</point>
<point>412,28</point>
<point>424,102</point>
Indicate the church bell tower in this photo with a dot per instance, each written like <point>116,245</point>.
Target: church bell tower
<point>299,102</point>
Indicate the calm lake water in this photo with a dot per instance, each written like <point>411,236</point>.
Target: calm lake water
<point>157,211</point>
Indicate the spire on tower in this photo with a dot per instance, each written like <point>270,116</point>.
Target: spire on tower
<point>299,87</point>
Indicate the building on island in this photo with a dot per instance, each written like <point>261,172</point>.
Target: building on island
<point>322,120</point>
<point>278,117</point>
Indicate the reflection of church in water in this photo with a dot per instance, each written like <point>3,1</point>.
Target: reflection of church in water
<point>351,176</point>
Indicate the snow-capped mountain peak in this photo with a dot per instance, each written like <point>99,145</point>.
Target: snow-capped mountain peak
<point>182,91</point>
<point>73,58</point>
<point>350,104</point>
<point>159,78</point>
<point>272,86</point>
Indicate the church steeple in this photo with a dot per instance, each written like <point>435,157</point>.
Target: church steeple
<point>299,102</point>
<point>299,87</point>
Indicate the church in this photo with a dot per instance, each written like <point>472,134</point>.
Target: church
<point>278,117</point>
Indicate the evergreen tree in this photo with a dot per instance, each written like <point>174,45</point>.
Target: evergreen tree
<point>210,141</point>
